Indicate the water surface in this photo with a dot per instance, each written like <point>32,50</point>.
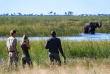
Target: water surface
<point>81,37</point>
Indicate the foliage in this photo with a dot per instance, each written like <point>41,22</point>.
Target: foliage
<point>43,25</point>
<point>72,50</point>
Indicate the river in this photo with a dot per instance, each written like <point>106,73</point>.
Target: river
<point>81,37</point>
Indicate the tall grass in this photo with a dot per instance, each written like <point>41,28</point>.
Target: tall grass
<point>82,57</point>
<point>100,69</point>
<point>72,50</point>
<point>43,25</point>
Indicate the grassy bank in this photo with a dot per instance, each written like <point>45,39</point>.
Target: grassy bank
<point>72,50</point>
<point>43,25</point>
<point>82,57</point>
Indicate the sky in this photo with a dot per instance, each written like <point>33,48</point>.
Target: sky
<point>58,6</point>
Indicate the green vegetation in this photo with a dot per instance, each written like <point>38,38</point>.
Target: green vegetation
<point>72,50</point>
<point>84,54</point>
<point>43,25</point>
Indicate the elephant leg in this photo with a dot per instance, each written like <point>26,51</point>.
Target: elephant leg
<point>92,31</point>
<point>86,30</point>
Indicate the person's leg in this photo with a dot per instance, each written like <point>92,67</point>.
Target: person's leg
<point>28,60</point>
<point>57,59</point>
<point>23,62</point>
<point>51,57</point>
<point>15,62</point>
<point>10,61</point>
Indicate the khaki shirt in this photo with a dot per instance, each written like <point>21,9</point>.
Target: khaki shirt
<point>11,41</point>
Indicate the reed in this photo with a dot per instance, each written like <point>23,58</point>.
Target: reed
<point>43,25</point>
<point>82,49</point>
<point>84,56</point>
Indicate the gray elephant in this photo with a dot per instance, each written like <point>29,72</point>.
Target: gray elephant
<point>90,27</point>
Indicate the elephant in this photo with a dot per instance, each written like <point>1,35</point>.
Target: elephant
<point>89,28</point>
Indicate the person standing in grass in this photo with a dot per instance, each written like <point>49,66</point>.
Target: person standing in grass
<point>25,54</point>
<point>11,49</point>
<point>54,46</point>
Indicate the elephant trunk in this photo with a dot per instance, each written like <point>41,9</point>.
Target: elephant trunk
<point>100,24</point>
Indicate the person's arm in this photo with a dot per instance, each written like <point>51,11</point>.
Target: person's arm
<point>20,43</point>
<point>7,51</point>
<point>15,44</point>
<point>15,50</point>
<point>27,44</point>
<point>7,47</point>
<point>47,45</point>
<point>60,48</point>
<point>61,51</point>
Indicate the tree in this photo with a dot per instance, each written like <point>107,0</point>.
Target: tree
<point>70,13</point>
<point>50,12</point>
<point>20,14</point>
<point>65,13</point>
<point>54,13</point>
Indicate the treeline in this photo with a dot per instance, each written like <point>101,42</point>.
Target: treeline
<point>69,13</point>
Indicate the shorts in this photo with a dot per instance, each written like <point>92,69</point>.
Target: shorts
<point>54,56</point>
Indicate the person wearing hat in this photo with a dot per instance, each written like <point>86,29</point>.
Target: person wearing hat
<point>11,49</point>
<point>54,46</point>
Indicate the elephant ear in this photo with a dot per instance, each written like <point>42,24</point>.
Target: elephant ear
<point>92,25</point>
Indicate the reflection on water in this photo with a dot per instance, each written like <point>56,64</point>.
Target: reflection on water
<point>81,37</point>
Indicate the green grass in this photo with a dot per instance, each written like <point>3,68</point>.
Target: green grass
<point>83,53</point>
<point>72,50</point>
<point>86,55</point>
<point>43,25</point>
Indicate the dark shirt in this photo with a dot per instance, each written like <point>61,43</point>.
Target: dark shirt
<point>54,45</point>
<point>25,52</point>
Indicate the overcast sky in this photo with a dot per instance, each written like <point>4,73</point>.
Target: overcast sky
<point>58,6</point>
